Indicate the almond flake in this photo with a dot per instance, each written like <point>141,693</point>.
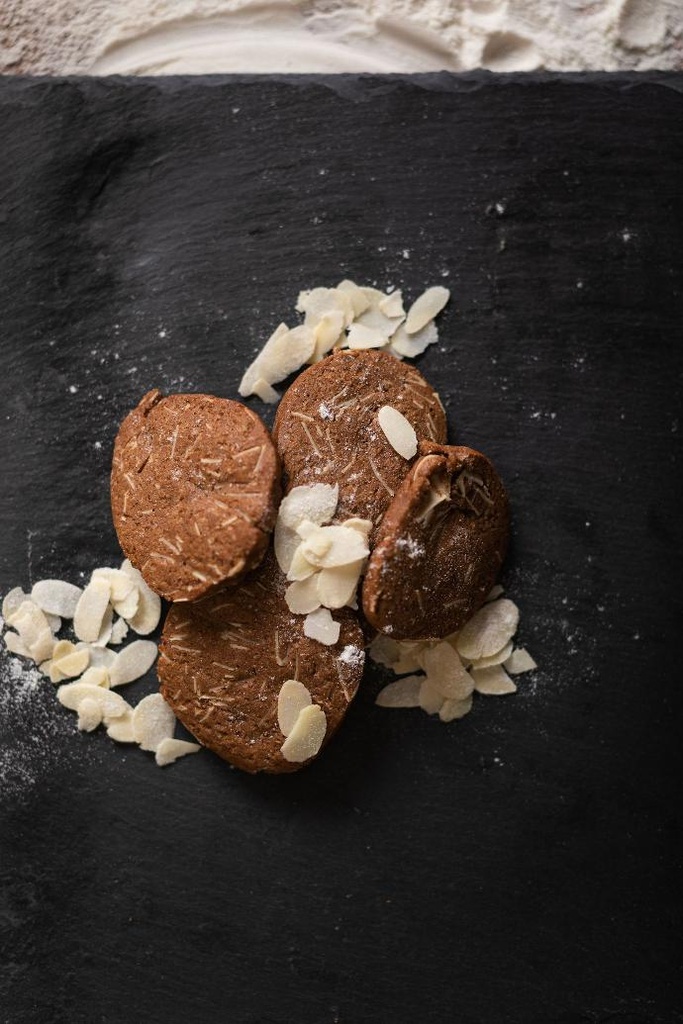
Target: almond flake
<point>384,651</point>
<point>452,709</point>
<point>392,305</point>
<point>263,390</point>
<point>91,610</point>
<point>359,301</point>
<point>307,735</point>
<point>15,645</point>
<point>112,704</point>
<point>315,502</point>
<point>492,681</point>
<point>132,662</point>
<point>127,607</point>
<point>119,632</point>
<point>494,659</point>
<point>337,586</point>
<point>56,597</point>
<point>120,583</point>
<point>410,658</point>
<point>292,699</point>
<point>146,618</point>
<point>100,657</point>
<point>169,750</point>
<point>431,700</point>
<point>398,431</point>
<point>254,371</point>
<point>377,321</point>
<point>72,664</point>
<point>488,630</point>
<point>285,541</point>
<point>299,567</point>
<point>121,729</point>
<point>520,661</point>
<point>331,546</point>
<point>327,333</point>
<point>89,714</point>
<point>320,626</point>
<point>412,345</point>
<point>106,628</point>
<point>302,596</point>
<point>317,302</point>
<point>34,629</point>
<point>12,602</point>
<point>362,337</point>
<point>362,525</point>
<point>404,693</point>
<point>284,353</point>
<point>446,672</point>
<point>426,307</point>
<point>96,676</point>
<point>53,621</point>
<point>153,721</point>
<point>494,592</point>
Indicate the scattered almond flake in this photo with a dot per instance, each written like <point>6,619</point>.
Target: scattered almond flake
<point>306,528</point>
<point>404,693</point>
<point>384,651</point>
<point>169,750</point>
<point>153,721</point>
<point>426,307</point>
<point>120,583</point>
<point>89,714</point>
<point>494,659</point>
<point>331,546</point>
<point>54,622</point>
<point>327,332</point>
<point>263,390</point>
<point>431,700</point>
<point>452,709</point>
<point>96,676</point>
<point>71,695</point>
<point>146,618</point>
<point>105,631</point>
<point>320,626</point>
<point>410,658</point>
<point>488,630</point>
<point>337,586</point>
<point>13,601</point>
<point>100,657</point>
<point>292,699</point>
<point>72,664</point>
<point>132,662</point>
<point>359,301</point>
<point>57,597</point>
<point>253,372</point>
<point>284,353</point>
<point>15,645</point>
<point>446,672</point>
<point>34,630</point>
<point>398,431</point>
<point>307,735</point>
<point>492,681</point>
<point>412,345</point>
<point>363,526</point>
<point>392,305</point>
<point>127,607</point>
<point>494,592</point>
<point>91,610</point>
<point>520,661</point>
<point>361,337</point>
<point>374,319</point>
<point>286,541</point>
<point>314,502</point>
<point>119,632</point>
<point>121,729</point>
<point>317,302</point>
<point>302,596</point>
<point>299,567</point>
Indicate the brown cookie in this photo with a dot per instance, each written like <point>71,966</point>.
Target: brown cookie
<point>195,486</point>
<point>439,547</point>
<point>223,660</point>
<point>326,428</point>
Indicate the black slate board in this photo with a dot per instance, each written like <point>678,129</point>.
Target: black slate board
<point>519,867</point>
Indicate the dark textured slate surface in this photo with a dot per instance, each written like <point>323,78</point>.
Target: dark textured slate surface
<point>519,867</point>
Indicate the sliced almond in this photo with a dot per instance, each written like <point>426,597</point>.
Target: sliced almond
<point>492,681</point>
<point>452,709</point>
<point>106,628</point>
<point>384,651</point>
<point>398,431</point>
<point>426,307</point>
<point>285,541</point>
<point>132,662</point>
<point>320,626</point>
<point>96,676</point>
<point>284,353</point>
<point>56,597</point>
<point>15,645</point>
<point>337,586</point>
<point>89,714</point>
<point>375,320</point>
<point>119,632</point>
<point>329,546</point>
<point>127,607</point>
<point>13,600</point>
<point>520,661</point>
<point>327,331</point>
<point>292,699</point>
<point>488,630</point>
<point>121,729</point>
<point>34,630</point>
<point>359,301</point>
<point>314,502</point>
<point>91,610</point>
<point>446,672</point>
<point>71,695</point>
<point>318,302</point>
<point>404,693</point>
<point>362,337</point>
<point>412,345</point>
<point>307,735</point>
<point>146,618</point>
<point>494,659</point>
<point>73,664</point>
<point>431,699</point>
<point>410,658</point>
<point>392,305</point>
<point>299,567</point>
<point>169,750</point>
<point>100,657</point>
<point>263,390</point>
<point>120,583</point>
<point>363,526</point>
<point>153,721</point>
<point>54,622</point>
<point>302,596</point>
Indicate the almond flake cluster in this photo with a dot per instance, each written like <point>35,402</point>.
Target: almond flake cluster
<point>348,316</point>
<point>87,672</point>
<point>480,658</point>
<point>302,723</point>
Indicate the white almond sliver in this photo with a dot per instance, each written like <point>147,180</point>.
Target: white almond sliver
<point>520,661</point>
<point>287,353</point>
<point>376,320</point>
<point>263,390</point>
<point>53,621</point>
<point>254,372</point>
<point>494,659</point>
<point>452,709</point>
<point>96,676</point>
<point>327,333</point>
<point>299,567</point>
<point>337,586</point>
<point>488,630</point>
<point>13,601</point>
<point>73,664</point>
<point>392,305</point>
<point>492,681</point>
<point>153,721</point>
<point>426,307</point>
<point>398,431</point>
<point>431,700</point>
<point>71,695</point>
<point>132,662</point>
<point>29,621</point>
<point>307,735</point>
<point>404,693</point>
<point>320,626</point>
<point>89,714</point>
<point>106,628</point>
<point>56,597</point>
<point>169,750</point>
<point>121,729</point>
<point>146,618</point>
<point>329,546</point>
<point>91,609</point>
<point>410,658</point>
<point>120,583</point>
<point>412,345</point>
<point>292,699</point>
<point>119,632</point>
<point>15,645</point>
<point>446,672</point>
<point>285,541</point>
<point>362,337</point>
<point>100,657</point>
<point>315,502</point>
<point>302,596</point>
<point>127,607</point>
<point>384,651</point>
<point>362,525</point>
<point>359,301</point>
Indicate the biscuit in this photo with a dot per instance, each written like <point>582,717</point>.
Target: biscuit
<point>195,486</point>
<point>326,428</point>
<point>439,547</point>
<point>223,660</point>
